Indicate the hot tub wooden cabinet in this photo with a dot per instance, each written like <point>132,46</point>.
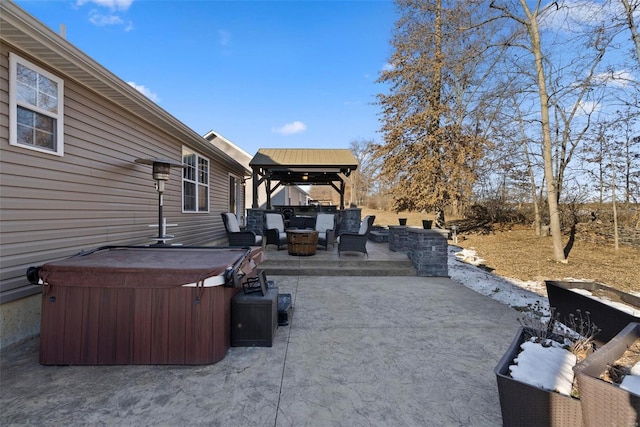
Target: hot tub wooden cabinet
<point>141,305</point>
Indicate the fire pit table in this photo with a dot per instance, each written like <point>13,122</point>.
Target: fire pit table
<point>302,242</point>
<point>141,305</point>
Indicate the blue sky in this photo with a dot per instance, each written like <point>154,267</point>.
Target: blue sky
<point>264,74</point>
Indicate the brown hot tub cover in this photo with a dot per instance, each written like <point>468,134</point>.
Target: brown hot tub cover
<point>148,267</point>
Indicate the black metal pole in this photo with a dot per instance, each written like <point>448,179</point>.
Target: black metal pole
<point>160,236</point>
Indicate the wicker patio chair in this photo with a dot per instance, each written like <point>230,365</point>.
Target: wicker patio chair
<point>325,226</point>
<point>274,230</point>
<point>237,236</point>
<point>356,242</point>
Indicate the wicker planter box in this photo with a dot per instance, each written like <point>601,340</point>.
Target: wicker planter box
<point>609,319</point>
<point>603,403</point>
<point>526,405</point>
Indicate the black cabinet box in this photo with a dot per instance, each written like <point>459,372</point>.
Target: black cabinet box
<point>254,319</point>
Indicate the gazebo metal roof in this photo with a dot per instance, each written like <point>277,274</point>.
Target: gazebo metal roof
<point>301,166</point>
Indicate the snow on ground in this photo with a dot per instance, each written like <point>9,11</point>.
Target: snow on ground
<point>463,268</point>
<point>549,368</point>
<point>466,267</point>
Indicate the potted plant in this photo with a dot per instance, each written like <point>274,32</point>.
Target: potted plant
<point>402,221</point>
<point>427,223</point>
<point>606,400</point>
<point>535,380</point>
<point>525,404</point>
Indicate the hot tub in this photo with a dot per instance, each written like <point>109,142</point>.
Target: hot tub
<point>141,305</point>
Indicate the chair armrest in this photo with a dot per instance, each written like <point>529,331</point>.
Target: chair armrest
<point>351,236</point>
<point>242,238</point>
<point>350,233</point>
<point>272,235</point>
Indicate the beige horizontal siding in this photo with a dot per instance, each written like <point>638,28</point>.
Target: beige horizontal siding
<point>53,207</point>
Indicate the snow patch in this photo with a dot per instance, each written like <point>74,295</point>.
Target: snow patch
<point>550,367</point>
<point>615,304</point>
<point>631,382</point>
<point>463,269</point>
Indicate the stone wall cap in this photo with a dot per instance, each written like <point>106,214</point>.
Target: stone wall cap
<point>428,230</point>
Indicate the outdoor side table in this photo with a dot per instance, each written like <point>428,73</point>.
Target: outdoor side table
<point>302,242</point>
<point>254,319</point>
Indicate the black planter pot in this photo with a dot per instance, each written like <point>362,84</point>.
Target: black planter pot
<point>426,224</point>
<point>402,221</point>
<point>525,405</point>
<point>607,318</point>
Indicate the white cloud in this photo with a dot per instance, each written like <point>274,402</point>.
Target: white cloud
<point>101,20</point>
<point>620,79</point>
<point>109,17</point>
<point>224,37</point>
<point>291,128</point>
<point>388,67</point>
<point>574,15</point>
<point>588,107</point>
<point>145,91</point>
<point>111,4</point>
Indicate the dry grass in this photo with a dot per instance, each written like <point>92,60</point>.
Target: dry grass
<point>520,254</point>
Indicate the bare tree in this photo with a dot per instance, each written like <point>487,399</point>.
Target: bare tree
<point>631,8</point>
<point>363,177</point>
<point>561,101</point>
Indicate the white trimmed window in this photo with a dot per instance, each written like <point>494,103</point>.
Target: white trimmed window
<point>195,182</point>
<point>35,107</point>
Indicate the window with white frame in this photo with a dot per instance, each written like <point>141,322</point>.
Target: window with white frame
<point>195,182</point>
<point>35,107</point>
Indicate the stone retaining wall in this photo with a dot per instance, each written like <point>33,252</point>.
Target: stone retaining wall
<point>427,249</point>
<point>349,220</point>
<point>398,236</point>
<point>255,220</point>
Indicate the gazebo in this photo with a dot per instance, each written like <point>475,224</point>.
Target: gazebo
<point>301,166</point>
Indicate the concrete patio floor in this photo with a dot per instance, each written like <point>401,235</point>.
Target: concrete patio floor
<point>359,351</point>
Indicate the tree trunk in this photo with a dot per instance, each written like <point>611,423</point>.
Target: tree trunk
<point>633,28</point>
<point>613,204</point>
<point>552,187</point>
<point>534,196</point>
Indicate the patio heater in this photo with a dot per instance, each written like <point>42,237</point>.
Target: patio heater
<point>161,172</point>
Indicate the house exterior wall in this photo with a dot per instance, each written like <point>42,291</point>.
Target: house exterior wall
<point>290,195</point>
<point>242,157</point>
<point>52,207</point>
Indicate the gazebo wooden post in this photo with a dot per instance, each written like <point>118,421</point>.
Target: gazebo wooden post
<point>268,193</point>
<point>342,194</point>
<point>256,185</point>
